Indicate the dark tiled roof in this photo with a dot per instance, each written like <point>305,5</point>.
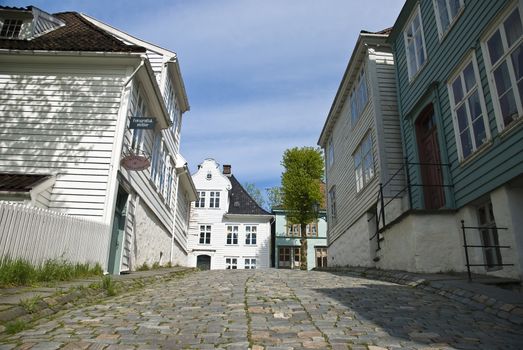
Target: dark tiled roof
<point>20,182</point>
<point>78,34</point>
<point>240,202</point>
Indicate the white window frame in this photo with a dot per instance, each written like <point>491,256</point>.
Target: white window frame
<point>12,28</point>
<point>506,57</point>
<point>200,202</point>
<point>443,31</point>
<point>330,153</point>
<point>171,104</point>
<point>251,235</point>
<point>138,109</point>
<point>233,233</point>
<point>214,199</point>
<point>249,263</point>
<point>205,234</point>
<point>231,263</point>
<point>411,72</point>
<point>332,204</point>
<point>466,95</point>
<point>367,174</point>
<point>359,97</point>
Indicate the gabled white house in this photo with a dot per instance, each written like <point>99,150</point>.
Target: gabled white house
<point>228,229</point>
<point>70,86</point>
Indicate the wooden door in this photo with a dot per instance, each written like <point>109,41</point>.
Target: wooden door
<point>428,147</point>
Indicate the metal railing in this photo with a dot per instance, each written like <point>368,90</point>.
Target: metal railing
<point>379,214</point>
<point>467,246</point>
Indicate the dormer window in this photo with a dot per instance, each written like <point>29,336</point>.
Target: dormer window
<point>11,28</point>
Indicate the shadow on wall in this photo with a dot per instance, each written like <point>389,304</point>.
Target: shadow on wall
<point>413,318</point>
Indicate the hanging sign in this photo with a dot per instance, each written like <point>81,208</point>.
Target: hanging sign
<point>135,162</point>
<point>142,123</point>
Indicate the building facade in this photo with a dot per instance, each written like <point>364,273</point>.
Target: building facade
<point>287,242</point>
<point>228,229</point>
<point>361,140</point>
<point>72,87</point>
<point>459,69</point>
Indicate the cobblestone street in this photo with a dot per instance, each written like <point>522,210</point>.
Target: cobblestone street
<point>272,309</point>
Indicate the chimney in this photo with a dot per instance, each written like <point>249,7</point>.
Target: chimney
<point>227,170</point>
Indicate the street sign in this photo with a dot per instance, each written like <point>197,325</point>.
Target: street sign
<point>142,123</point>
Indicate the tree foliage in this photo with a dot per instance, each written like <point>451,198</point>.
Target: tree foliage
<point>274,197</point>
<point>303,173</point>
<point>255,193</point>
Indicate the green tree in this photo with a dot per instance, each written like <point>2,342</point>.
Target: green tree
<point>303,173</point>
<point>255,193</point>
<point>274,197</point>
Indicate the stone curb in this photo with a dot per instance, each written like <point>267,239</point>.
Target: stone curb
<point>63,300</point>
<point>509,312</point>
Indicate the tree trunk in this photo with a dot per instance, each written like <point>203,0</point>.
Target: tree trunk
<point>303,247</point>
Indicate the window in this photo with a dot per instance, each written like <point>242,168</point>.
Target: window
<point>414,44</point>
<point>358,97</point>
<point>214,200</point>
<point>200,203</point>
<point>330,153</point>
<point>489,236</point>
<point>171,105</point>
<point>293,230</point>
<point>332,204</point>
<point>231,263</point>
<point>312,229</point>
<point>11,28</point>
<point>205,234</point>
<point>468,110</point>
<point>139,110</point>
<point>446,13</point>
<point>209,176</point>
<point>232,234</point>
<point>503,50</point>
<point>250,263</point>
<point>321,257</point>
<point>363,163</point>
<point>250,234</point>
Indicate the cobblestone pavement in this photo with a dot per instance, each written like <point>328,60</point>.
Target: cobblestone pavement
<point>272,309</point>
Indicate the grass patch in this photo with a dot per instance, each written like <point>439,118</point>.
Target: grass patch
<point>143,267</point>
<point>109,285</point>
<point>19,272</point>
<point>31,305</point>
<point>16,326</point>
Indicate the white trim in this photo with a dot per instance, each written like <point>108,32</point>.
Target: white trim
<point>442,33</point>
<point>470,58</point>
<point>417,12</point>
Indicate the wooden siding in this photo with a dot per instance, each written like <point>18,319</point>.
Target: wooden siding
<point>346,139</point>
<point>61,121</point>
<point>387,123</point>
<point>181,226</point>
<point>496,163</point>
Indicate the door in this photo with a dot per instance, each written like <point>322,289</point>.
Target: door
<point>284,260</point>
<point>428,147</point>
<point>120,213</point>
<point>203,262</point>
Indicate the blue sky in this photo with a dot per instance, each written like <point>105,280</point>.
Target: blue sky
<point>260,74</point>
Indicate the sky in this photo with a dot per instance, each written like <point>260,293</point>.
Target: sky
<point>260,75</point>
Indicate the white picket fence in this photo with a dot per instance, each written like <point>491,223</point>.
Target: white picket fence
<point>36,235</point>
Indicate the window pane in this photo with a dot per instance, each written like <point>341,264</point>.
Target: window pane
<point>495,47</point>
<point>419,46</point>
<point>502,78</point>
<point>454,7</point>
<point>462,118</point>
<point>479,131</point>
<point>512,26</point>
<point>415,23</point>
<point>412,58</point>
<point>468,75</point>
<point>466,144</point>
<point>508,107</point>
<point>474,105</point>
<point>366,145</point>
<point>517,61</point>
<point>457,90</point>
<point>443,15</point>
<point>357,159</point>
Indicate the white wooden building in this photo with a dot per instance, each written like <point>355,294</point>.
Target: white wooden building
<point>69,86</point>
<point>362,143</point>
<point>228,229</point>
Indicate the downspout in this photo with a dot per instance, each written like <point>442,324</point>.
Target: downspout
<point>175,211</point>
